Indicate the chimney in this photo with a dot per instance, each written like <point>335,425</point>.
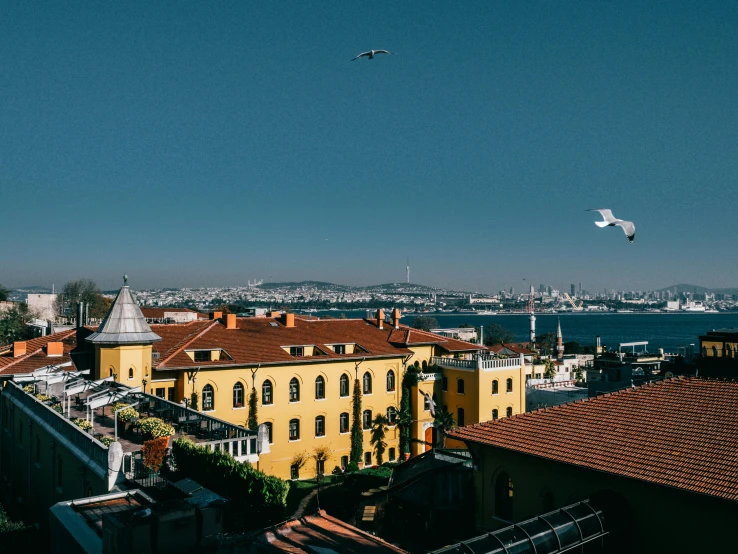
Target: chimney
<point>55,349</point>
<point>80,312</point>
<point>396,318</point>
<point>19,348</point>
<point>380,318</point>
<point>216,315</point>
<point>230,321</point>
<point>273,313</point>
<point>289,320</point>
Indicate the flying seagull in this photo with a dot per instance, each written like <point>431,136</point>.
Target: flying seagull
<point>370,54</point>
<point>431,402</point>
<point>611,221</point>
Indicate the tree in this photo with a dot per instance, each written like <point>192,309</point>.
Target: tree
<point>299,460</point>
<point>497,334</point>
<point>572,347</point>
<point>550,371</point>
<point>424,323</point>
<point>579,374</point>
<point>546,343</point>
<point>13,323</point>
<point>357,435</point>
<point>405,419</point>
<point>443,421</point>
<point>321,454</point>
<point>253,422</point>
<point>379,429</point>
<point>3,293</point>
<point>82,290</point>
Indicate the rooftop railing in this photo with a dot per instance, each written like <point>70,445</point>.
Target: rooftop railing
<point>484,363</point>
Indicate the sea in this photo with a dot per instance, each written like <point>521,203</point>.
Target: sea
<point>662,330</point>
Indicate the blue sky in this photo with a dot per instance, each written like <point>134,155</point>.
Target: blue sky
<point>207,143</point>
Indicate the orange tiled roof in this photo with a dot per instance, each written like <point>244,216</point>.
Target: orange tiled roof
<point>261,340</point>
<point>309,533</point>
<point>35,356</point>
<point>681,432</point>
<point>158,313</point>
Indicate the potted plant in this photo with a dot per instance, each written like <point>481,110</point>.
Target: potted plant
<point>153,427</point>
<point>82,424</point>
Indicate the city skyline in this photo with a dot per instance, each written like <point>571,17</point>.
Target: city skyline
<point>219,143</point>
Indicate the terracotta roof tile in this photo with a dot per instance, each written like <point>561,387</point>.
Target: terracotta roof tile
<point>680,432</point>
<point>35,356</point>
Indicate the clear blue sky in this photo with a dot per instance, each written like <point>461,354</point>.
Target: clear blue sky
<point>207,143</point>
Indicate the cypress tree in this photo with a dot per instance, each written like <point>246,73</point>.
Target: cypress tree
<point>409,380</point>
<point>357,435</point>
<point>253,422</point>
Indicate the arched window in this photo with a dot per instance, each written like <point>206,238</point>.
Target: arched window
<point>268,425</point>
<point>294,390</point>
<point>266,393</point>
<point>367,419</point>
<point>367,383</point>
<point>425,366</point>
<point>238,395</point>
<point>319,388</point>
<point>495,387</point>
<point>294,429</point>
<point>344,385</point>
<point>509,411</point>
<point>504,496</point>
<point>130,373</point>
<point>426,403</point>
<point>344,422</point>
<point>390,381</point>
<point>444,383</point>
<point>460,386</point>
<point>208,403</point>
<point>714,351</point>
<point>460,417</point>
<point>495,414</point>
<point>391,454</point>
<point>509,384</point>
<point>320,426</point>
<point>391,415</point>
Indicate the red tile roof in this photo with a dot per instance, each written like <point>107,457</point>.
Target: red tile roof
<point>262,341</point>
<point>158,313</point>
<point>318,532</point>
<point>680,432</point>
<point>516,348</point>
<point>35,356</point>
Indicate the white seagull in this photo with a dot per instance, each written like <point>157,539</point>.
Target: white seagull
<point>431,402</point>
<point>370,54</point>
<point>611,221</point>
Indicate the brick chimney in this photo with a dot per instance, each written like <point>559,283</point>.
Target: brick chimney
<point>273,313</point>
<point>216,315</point>
<point>380,318</point>
<point>19,348</point>
<point>289,320</point>
<point>55,349</point>
<point>396,318</point>
<point>230,321</point>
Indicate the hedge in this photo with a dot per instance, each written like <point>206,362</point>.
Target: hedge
<point>258,497</point>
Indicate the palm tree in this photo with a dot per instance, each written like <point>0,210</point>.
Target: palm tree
<point>379,428</point>
<point>443,421</point>
<point>550,371</point>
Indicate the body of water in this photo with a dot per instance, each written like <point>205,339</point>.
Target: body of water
<point>667,331</point>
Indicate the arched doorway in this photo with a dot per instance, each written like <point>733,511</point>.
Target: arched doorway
<point>428,438</point>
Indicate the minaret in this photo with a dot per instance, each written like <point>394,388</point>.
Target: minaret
<point>407,269</point>
<point>559,343</point>
<point>531,309</point>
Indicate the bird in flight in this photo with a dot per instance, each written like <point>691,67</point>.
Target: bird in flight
<point>370,54</point>
<point>611,221</point>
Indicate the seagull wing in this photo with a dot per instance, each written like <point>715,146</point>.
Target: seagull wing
<point>628,227</point>
<point>361,55</point>
<point>606,215</point>
<point>382,52</point>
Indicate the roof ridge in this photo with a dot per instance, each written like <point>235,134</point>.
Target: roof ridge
<point>30,353</point>
<point>184,343</point>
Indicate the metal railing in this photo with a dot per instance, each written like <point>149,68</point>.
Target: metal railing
<point>478,362</point>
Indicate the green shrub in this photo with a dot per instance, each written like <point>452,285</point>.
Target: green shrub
<point>352,466</point>
<point>155,427</point>
<point>258,498</point>
<point>82,423</point>
<point>126,414</point>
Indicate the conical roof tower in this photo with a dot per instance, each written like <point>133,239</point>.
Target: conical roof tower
<point>124,322</point>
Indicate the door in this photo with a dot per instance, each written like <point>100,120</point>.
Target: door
<point>428,438</point>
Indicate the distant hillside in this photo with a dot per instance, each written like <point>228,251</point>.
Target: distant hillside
<point>682,288</point>
<point>317,284</point>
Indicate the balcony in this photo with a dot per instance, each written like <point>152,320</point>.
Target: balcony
<point>483,363</point>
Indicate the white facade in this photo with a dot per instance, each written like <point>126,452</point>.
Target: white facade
<point>43,305</point>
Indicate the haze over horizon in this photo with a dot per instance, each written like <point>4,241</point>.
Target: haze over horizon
<point>209,144</point>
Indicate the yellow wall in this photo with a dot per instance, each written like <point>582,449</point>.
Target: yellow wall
<point>707,348</point>
<point>119,360</point>
<point>281,411</point>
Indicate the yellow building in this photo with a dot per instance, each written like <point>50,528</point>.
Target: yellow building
<point>303,371</point>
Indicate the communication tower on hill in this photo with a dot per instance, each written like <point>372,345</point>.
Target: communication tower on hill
<point>407,269</point>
